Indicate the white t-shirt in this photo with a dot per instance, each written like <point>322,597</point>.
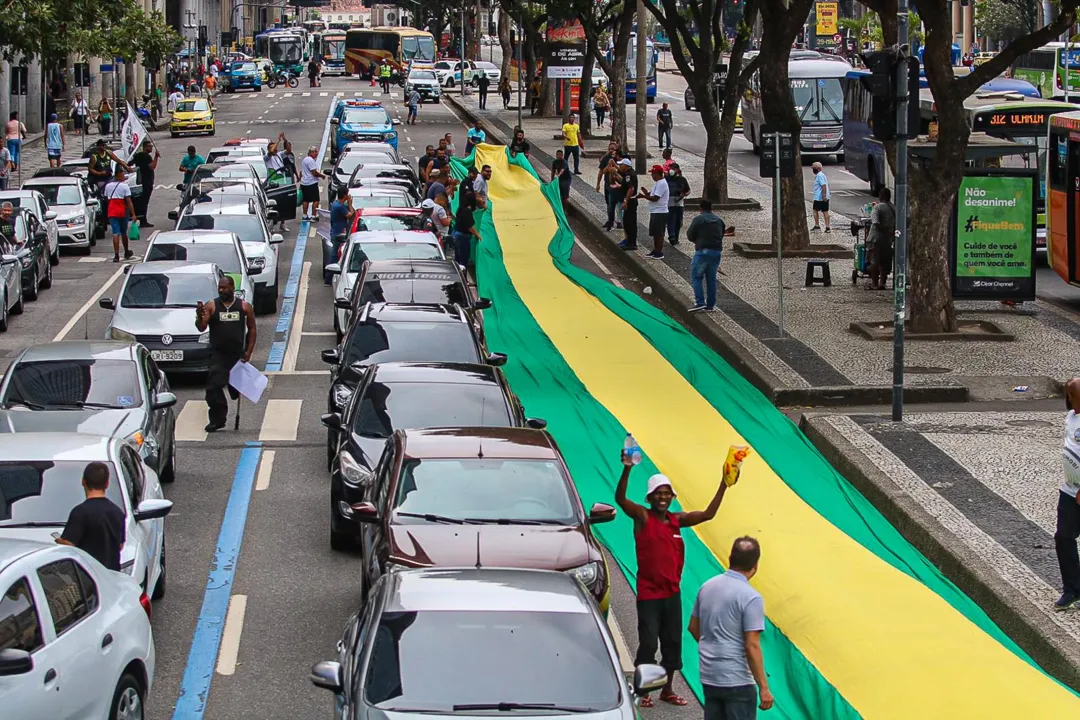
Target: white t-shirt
<point>1070,455</point>
<point>480,185</point>
<point>660,190</point>
<point>307,166</point>
<point>438,214</point>
<point>274,162</point>
<point>117,190</point>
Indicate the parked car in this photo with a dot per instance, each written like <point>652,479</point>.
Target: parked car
<point>35,203</point>
<point>523,642</point>
<point>11,303</point>
<point>351,159</point>
<point>494,74</point>
<point>372,219</point>
<point>449,72</point>
<point>219,154</point>
<point>29,246</point>
<point>368,174</point>
<point>369,146</point>
<point>76,637</point>
<point>223,249</point>
<point>76,211</point>
<point>228,192</point>
<point>276,187</point>
<point>99,386</point>
<point>49,467</point>
<point>361,121</point>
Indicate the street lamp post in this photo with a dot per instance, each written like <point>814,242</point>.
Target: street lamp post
<point>520,83</point>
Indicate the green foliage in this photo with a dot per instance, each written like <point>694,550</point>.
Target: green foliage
<point>868,27</point>
<point>1006,20</point>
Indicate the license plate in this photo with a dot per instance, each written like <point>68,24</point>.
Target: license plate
<point>820,145</point>
<point>167,355</point>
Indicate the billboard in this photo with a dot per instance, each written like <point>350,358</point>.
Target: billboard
<point>992,236</point>
<point>566,48</point>
<point>827,15</point>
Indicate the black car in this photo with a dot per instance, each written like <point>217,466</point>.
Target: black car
<point>348,162</point>
<point>30,246</point>
<point>410,282</point>
<point>402,333</point>
<point>368,174</point>
<point>392,396</point>
<point>275,186</point>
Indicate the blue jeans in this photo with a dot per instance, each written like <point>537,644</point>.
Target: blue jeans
<point>665,132</point>
<point>462,248</point>
<point>730,703</point>
<point>574,150</point>
<point>674,222</point>
<point>13,147</point>
<point>703,271</point>
<point>613,202</point>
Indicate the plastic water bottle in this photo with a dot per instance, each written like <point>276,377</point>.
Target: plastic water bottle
<point>632,449</point>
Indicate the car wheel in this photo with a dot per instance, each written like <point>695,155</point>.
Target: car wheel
<point>54,259</point>
<point>175,135</point>
<point>31,290</point>
<point>18,307</point>
<point>159,589</point>
<point>168,473</point>
<point>213,132</point>
<point>267,303</point>
<point>46,282</point>
<point>449,82</point>
<point>86,250</point>
<point>339,541</point>
<point>4,314</point>
<point>127,701</point>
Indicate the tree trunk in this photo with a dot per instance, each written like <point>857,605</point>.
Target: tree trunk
<point>507,48</point>
<point>129,83</point>
<point>547,98</point>
<point>616,72</point>
<point>585,86</point>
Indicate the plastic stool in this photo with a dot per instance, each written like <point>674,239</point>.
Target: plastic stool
<point>811,274</point>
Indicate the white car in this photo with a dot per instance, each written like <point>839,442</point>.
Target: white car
<point>35,202</point>
<point>48,467</point>
<point>76,212</point>
<point>360,249</point>
<point>224,249</point>
<point>449,72</point>
<point>76,639</point>
<point>491,70</point>
<point>218,154</point>
<point>373,147</point>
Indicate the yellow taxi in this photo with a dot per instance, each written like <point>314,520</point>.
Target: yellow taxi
<point>738,117</point>
<point>192,116</point>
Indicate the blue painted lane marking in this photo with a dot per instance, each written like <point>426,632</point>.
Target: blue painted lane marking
<point>195,687</point>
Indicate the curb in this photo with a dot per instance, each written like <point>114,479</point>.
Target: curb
<point>1004,604</point>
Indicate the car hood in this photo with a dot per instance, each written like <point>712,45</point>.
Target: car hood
<point>64,212</point>
<point>367,128</point>
<point>429,83</point>
<point>88,420</point>
<point>623,712</point>
<point>540,547</point>
<point>199,115</point>
<point>156,321</point>
<point>254,248</point>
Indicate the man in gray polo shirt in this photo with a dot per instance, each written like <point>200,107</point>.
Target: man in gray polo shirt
<point>727,621</point>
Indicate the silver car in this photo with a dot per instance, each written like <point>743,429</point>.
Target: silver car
<point>76,212</point>
<point>157,308</point>
<point>98,386</point>
<point>34,201</point>
<point>11,302</point>
<point>224,249</point>
<point>523,642</point>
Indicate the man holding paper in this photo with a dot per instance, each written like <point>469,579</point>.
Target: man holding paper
<point>232,339</point>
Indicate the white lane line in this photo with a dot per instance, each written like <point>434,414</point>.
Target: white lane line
<point>292,350</point>
<point>307,94</point>
<point>266,468</point>
<point>329,333</point>
<point>625,659</point>
<point>295,372</point>
<point>270,95</point>
<point>323,94</point>
<point>599,264</point>
<point>191,422</point>
<point>281,420</point>
<point>101,258</point>
<point>287,95</point>
<point>89,304</point>
<point>339,93</point>
<point>230,637</point>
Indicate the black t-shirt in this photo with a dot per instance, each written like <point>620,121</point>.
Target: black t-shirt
<point>483,83</point>
<point>97,527</point>
<point>604,160</point>
<point>425,160</point>
<point>7,229</point>
<point>630,188</point>
<point>142,161</point>
<point>665,117</point>
<point>468,193</point>
<point>521,146</point>
<point>464,221</point>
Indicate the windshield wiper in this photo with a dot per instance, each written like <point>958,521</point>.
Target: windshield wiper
<point>508,706</point>
<point>25,403</point>
<point>33,525</point>
<point>510,521</point>
<point>432,518</point>
<point>81,404</point>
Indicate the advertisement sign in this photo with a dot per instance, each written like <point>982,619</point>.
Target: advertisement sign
<point>992,243</point>
<point>827,15</point>
<point>566,48</point>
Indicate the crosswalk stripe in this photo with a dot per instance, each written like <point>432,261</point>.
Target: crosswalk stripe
<point>281,420</point>
<point>307,94</point>
<point>339,93</point>
<point>191,422</point>
<point>91,259</point>
<point>288,95</point>
<point>271,94</point>
<point>322,94</point>
<point>357,94</point>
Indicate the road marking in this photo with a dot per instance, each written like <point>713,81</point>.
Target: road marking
<point>230,638</point>
<point>339,93</point>
<point>292,350</point>
<point>93,259</point>
<point>328,333</point>
<point>89,304</point>
<point>198,674</point>
<point>191,422</point>
<point>322,94</point>
<point>307,94</point>
<point>625,659</point>
<point>287,95</point>
<point>270,95</point>
<point>266,468</point>
<point>358,94</point>
<point>281,420</point>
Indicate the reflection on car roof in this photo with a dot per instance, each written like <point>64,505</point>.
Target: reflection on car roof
<point>432,372</point>
<point>484,590</point>
<point>389,236</point>
<point>172,267</point>
<point>79,350</point>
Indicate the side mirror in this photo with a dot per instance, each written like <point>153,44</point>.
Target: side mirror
<point>601,513</point>
<point>331,357</point>
<point>174,215</point>
<point>396,121</point>
<point>15,662</point>
<point>50,215</point>
<point>536,423</point>
<point>93,203</point>
<point>482,304</point>
<point>496,359</point>
<point>163,400</point>
<point>276,238</point>
<point>41,235</point>
<point>328,675</point>
<point>343,303</point>
<point>271,203</point>
<point>272,215</point>
<point>332,421</point>
<point>335,121</point>
<point>106,303</point>
<point>333,268</point>
<point>152,510</point>
<point>365,512</point>
<point>181,187</point>
<point>648,678</point>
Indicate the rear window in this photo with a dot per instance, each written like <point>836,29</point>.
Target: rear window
<point>154,290</point>
<point>248,227</point>
<point>393,251</point>
<point>224,255</point>
<point>391,201</point>
<point>45,492</point>
<point>375,342</point>
<point>398,289</point>
<point>387,407</point>
<point>365,116</point>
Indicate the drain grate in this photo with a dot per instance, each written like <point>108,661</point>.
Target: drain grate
<point>1029,423</point>
<point>924,370</point>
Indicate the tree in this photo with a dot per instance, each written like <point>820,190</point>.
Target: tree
<point>616,69</point>
<point>53,29</point>
<point>1005,20</point>
<point>596,17</point>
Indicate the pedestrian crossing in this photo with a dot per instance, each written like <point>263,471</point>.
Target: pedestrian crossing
<point>279,422</point>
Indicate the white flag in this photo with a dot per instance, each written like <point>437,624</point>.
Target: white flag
<point>131,135</point>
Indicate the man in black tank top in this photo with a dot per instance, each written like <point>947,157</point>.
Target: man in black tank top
<point>232,339</point>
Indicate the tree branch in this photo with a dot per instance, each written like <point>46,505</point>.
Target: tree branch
<point>989,70</point>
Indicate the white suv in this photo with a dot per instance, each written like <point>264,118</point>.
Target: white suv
<point>75,639</point>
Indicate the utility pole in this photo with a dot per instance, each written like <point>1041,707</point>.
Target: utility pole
<point>520,71</point>
<point>900,270</point>
<point>463,52</point>
<point>640,91</point>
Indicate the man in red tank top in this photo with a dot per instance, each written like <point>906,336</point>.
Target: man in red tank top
<point>660,555</point>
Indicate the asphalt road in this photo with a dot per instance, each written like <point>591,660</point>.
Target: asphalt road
<point>255,594</point>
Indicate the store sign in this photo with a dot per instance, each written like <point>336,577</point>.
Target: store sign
<point>566,48</point>
<point>992,248</point>
<point>828,14</point>
<point>990,122</point>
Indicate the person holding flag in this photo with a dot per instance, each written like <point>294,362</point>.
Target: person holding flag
<point>146,164</point>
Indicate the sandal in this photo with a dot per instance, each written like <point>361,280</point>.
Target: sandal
<point>646,702</point>
<point>674,699</point>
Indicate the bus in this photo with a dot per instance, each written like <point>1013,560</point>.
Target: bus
<point>1063,185</point>
<point>818,94</point>
<point>284,48</point>
<point>631,69</point>
<point>314,26</point>
<point>329,47</point>
<point>1044,68</point>
<point>365,48</point>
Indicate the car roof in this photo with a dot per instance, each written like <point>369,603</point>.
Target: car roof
<point>172,267</point>
<point>392,236</point>
<point>383,166</point>
<point>376,189</point>
<point>45,446</point>
<point>238,149</point>
<point>223,205</point>
<point>363,145</point>
<point>436,372</point>
<point>52,180</point>
<point>25,192</point>
<point>223,165</point>
<point>444,269</point>
<point>389,212</point>
<point>222,237</point>
<point>79,350</point>
<point>523,443</point>
<point>484,590</point>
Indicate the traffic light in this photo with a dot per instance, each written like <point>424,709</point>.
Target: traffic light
<point>881,83</point>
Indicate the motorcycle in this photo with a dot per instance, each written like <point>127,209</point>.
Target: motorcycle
<point>282,77</point>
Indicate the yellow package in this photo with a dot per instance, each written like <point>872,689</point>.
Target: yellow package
<point>733,465</point>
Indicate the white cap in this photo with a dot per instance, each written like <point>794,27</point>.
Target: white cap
<point>659,481</point>
<point>427,204</point>
<point>626,162</point>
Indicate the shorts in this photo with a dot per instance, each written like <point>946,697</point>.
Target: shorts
<point>53,154</point>
<point>119,225</point>
<point>413,111</point>
<point>657,224</point>
<point>821,205</point>
<point>310,193</point>
<point>78,119</point>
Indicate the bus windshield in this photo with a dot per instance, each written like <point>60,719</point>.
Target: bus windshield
<point>285,50</point>
<point>334,48</point>
<point>631,62</point>
<point>818,101</point>
<point>416,47</point>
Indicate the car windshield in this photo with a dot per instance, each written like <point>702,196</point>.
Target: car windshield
<point>408,288</point>
<point>390,406</point>
<point>392,201</point>
<point>365,116</point>
<point>192,106</point>
<point>60,194</point>
<point>390,251</point>
<point>368,155</point>
<point>46,491</point>
<point>348,163</point>
<point>246,67</point>
<point>225,256</point>
<point>374,342</point>
<point>158,290</point>
<point>422,75</point>
<point>429,661</point>
<point>248,227</point>
<point>67,383</point>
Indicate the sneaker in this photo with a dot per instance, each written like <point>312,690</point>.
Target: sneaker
<point>146,225</point>
<point>128,254</point>
<point>710,309</point>
<point>655,255</point>
<point>673,242</point>
<point>618,225</point>
<point>116,258</point>
<point>1066,601</point>
<point>627,246</point>
<point>607,227</point>
<point>815,228</point>
<point>211,427</point>
<point>828,230</point>
<point>697,308</point>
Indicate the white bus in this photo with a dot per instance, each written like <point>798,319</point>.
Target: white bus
<point>817,90</point>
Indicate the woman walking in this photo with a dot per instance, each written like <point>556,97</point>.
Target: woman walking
<point>504,90</point>
<point>601,104</point>
<point>79,112</point>
<point>105,116</point>
<point>14,133</point>
<point>54,141</point>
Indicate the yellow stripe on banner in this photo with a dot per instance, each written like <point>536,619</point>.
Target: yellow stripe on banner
<point>892,647</point>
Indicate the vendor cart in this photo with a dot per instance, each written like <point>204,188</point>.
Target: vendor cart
<point>860,229</point>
